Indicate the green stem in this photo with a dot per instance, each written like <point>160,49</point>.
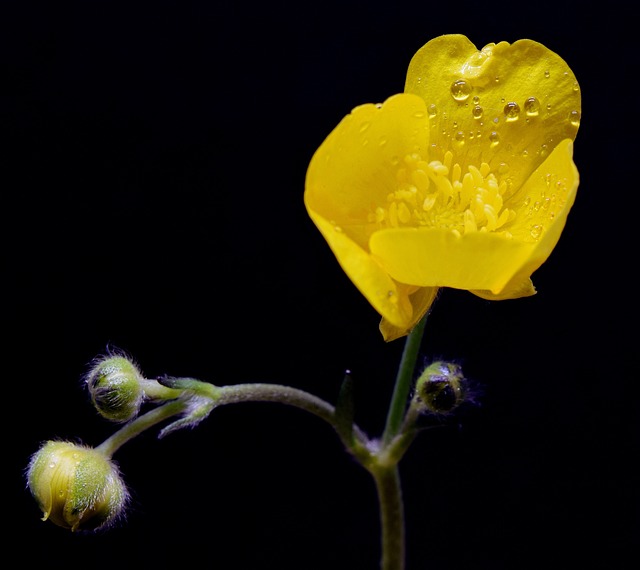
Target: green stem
<point>398,405</point>
<point>135,427</point>
<point>391,517</point>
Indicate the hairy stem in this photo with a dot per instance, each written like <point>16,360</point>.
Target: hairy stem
<point>391,517</point>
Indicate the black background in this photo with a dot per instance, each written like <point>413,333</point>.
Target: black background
<point>153,162</point>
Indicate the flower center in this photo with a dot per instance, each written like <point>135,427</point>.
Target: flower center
<point>437,194</point>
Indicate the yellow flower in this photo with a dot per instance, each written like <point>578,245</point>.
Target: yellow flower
<point>463,181</point>
<point>75,486</point>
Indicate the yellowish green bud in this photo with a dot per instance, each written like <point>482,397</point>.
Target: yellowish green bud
<point>75,486</point>
<point>441,387</point>
<point>115,386</point>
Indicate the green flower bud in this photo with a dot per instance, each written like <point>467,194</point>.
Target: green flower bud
<point>115,386</point>
<point>75,486</point>
<point>441,387</point>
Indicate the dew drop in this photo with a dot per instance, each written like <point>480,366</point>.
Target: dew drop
<point>476,99</point>
<point>512,111</point>
<point>418,114</point>
<point>536,231</point>
<point>574,117</point>
<point>460,90</point>
<point>547,74</point>
<point>433,111</point>
<point>532,107</point>
<point>494,138</point>
<point>477,112</point>
<point>503,168</point>
<point>459,137</point>
<point>544,150</point>
<point>364,127</point>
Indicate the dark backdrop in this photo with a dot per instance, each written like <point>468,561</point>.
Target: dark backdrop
<point>152,173</point>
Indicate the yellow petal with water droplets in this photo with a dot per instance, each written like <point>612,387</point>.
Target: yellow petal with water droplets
<point>507,103</point>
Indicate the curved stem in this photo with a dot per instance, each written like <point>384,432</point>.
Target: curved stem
<point>285,395</point>
<point>391,517</point>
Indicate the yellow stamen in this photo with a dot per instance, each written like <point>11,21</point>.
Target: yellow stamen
<point>441,194</point>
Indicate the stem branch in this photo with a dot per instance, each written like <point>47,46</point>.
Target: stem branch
<point>135,427</point>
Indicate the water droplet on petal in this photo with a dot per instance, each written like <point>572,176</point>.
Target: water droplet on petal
<point>532,107</point>
<point>433,111</point>
<point>512,111</point>
<point>460,90</point>
<point>364,127</point>
<point>477,112</point>
<point>494,138</point>
<point>574,117</point>
<point>536,231</point>
<point>547,74</point>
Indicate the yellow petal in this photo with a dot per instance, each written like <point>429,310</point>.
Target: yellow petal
<point>373,282</point>
<point>421,300</point>
<point>512,291</point>
<point>437,257</point>
<point>518,100</point>
<point>355,165</point>
<point>494,262</point>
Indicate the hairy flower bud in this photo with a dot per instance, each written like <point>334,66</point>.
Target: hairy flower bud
<point>115,386</point>
<point>75,486</point>
<point>441,387</point>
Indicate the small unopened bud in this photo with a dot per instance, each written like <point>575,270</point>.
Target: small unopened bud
<point>75,486</point>
<point>115,386</point>
<point>441,387</point>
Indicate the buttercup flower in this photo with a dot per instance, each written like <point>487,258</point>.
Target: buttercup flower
<point>76,486</point>
<point>463,181</point>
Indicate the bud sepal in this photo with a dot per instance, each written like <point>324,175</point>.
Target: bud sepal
<point>115,385</point>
